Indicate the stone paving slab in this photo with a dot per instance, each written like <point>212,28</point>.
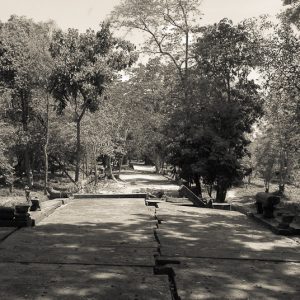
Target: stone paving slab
<point>110,195</point>
<point>96,213</point>
<point>109,232</point>
<point>86,249</point>
<point>236,279</point>
<point>189,242</point>
<point>5,231</point>
<point>194,232</point>
<point>226,255</point>
<point>176,252</point>
<point>47,208</point>
<point>66,234</point>
<point>76,254</point>
<point>74,282</point>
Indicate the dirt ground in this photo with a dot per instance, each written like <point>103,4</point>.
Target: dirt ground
<point>245,196</point>
<point>141,179</point>
<point>144,179</point>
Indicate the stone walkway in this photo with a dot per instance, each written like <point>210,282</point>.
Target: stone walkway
<point>219,254</point>
<point>111,248</point>
<point>87,249</point>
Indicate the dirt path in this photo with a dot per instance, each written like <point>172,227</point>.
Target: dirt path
<point>141,179</point>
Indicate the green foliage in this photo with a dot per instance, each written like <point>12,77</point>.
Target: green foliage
<point>281,73</point>
<point>292,13</point>
<point>84,64</point>
<point>24,66</point>
<point>224,104</point>
<point>144,98</point>
<point>168,25</point>
<point>6,143</point>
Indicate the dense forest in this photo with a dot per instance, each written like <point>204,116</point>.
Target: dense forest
<point>213,103</point>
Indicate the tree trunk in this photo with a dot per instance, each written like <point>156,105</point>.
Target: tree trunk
<point>157,164</point>
<point>78,151</point>
<point>63,169</point>
<point>83,168</point>
<point>281,188</point>
<point>46,147</point>
<point>110,173</point>
<point>28,170</point>
<point>267,186</point>
<point>86,165</point>
<point>198,185</point>
<point>209,188</point>
<point>25,97</point>
<point>221,193</point>
<point>148,161</point>
<point>120,164</point>
<point>95,165</point>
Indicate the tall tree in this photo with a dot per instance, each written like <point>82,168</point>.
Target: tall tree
<point>23,56</point>
<point>84,64</point>
<point>148,94</point>
<point>281,72</point>
<point>170,26</point>
<point>225,102</point>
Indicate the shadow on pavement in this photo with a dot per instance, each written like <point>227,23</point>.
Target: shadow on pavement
<point>84,251</point>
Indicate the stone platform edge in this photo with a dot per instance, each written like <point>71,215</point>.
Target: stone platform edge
<point>111,196</point>
<point>48,208</point>
<point>34,217</point>
<point>271,224</point>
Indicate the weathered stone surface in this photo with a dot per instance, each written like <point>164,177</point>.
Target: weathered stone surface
<point>5,231</point>
<point>75,254</point>
<point>180,251</point>
<point>224,206</point>
<point>108,232</point>
<point>227,234</point>
<point>225,255</point>
<point>106,196</point>
<point>87,249</point>
<point>74,282</point>
<point>184,191</point>
<point>236,279</point>
<point>48,207</point>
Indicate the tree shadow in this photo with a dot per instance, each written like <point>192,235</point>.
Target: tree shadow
<point>108,253</point>
<point>84,254</point>
<point>225,255</point>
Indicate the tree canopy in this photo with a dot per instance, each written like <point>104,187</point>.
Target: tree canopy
<point>210,101</point>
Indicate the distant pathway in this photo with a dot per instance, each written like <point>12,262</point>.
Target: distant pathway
<point>144,178</point>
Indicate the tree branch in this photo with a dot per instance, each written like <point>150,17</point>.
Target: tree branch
<point>161,51</point>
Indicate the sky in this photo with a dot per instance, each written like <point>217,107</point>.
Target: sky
<point>84,14</point>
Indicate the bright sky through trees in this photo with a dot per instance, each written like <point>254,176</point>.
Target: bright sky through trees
<point>83,14</point>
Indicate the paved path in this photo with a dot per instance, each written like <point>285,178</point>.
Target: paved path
<point>225,255</point>
<point>108,249</point>
<point>87,249</point>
